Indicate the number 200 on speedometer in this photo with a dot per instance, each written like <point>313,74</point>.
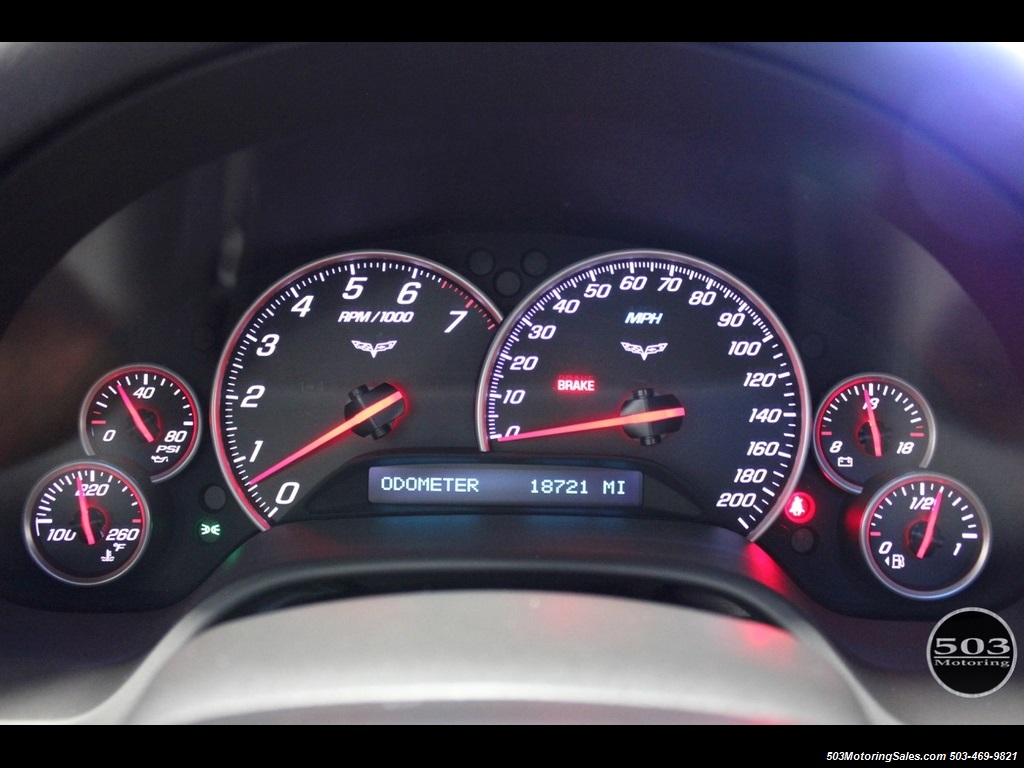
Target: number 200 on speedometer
<point>657,357</point>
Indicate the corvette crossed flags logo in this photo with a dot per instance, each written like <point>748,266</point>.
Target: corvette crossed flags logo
<point>373,349</point>
<point>636,349</point>
<point>644,352</point>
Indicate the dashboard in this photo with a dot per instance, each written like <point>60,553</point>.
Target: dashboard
<point>523,382</point>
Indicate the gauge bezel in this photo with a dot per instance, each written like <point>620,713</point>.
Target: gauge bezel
<point>727,278</point>
<point>70,468</point>
<point>890,486</point>
<point>833,475</point>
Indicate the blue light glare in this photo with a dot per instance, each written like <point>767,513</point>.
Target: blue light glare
<point>1017,49</point>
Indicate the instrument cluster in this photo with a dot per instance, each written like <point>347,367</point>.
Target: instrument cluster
<point>630,384</point>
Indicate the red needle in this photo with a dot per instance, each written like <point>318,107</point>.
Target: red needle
<point>929,533</point>
<point>584,426</point>
<point>367,413</point>
<point>83,514</point>
<point>139,423</point>
<point>876,436</point>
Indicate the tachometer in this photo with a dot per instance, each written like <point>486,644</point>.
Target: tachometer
<point>661,357</point>
<point>353,353</point>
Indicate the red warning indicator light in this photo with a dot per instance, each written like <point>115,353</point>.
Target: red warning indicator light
<point>569,383</point>
<point>800,507</point>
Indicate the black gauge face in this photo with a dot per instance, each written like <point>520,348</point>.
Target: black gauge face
<point>86,523</point>
<point>660,357</point>
<point>870,424</point>
<point>355,353</point>
<point>925,535</point>
<point>143,413</point>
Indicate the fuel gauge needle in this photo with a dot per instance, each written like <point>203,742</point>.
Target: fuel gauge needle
<point>364,415</point>
<point>136,418</point>
<point>876,435</point>
<point>644,417</point>
<point>83,514</point>
<point>929,532</point>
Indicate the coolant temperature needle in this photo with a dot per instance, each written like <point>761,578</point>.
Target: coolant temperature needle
<point>136,418</point>
<point>876,436</point>
<point>83,514</point>
<point>929,532</point>
<point>645,417</point>
<point>362,416</point>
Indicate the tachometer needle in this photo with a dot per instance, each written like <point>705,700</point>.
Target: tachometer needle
<point>876,435</point>
<point>645,417</point>
<point>364,415</point>
<point>929,532</point>
<point>83,514</point>
<point>139,423</point>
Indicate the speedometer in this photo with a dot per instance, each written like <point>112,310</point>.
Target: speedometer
<point>356,353</point>
<point>655,357</point>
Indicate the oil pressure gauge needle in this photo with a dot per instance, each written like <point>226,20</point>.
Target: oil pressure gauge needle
<point>348,424</point>
<point>83,514</point>
<point>929,532</point>
<point>136,418</point>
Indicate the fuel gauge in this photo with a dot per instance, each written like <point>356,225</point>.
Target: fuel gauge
<point>869,424</point>
<point>145,414</point>
<point>925,535</point>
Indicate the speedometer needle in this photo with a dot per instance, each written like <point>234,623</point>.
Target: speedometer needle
<point>876,435</point>
<point>929,532</point>
<point>83,514</point>
<point>645,417</point>
<point>139,423</point>
<point>364,415</point>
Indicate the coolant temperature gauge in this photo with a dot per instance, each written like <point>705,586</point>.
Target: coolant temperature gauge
<point>925,535</point>
<point>86,523</point>
<point>870,424</point>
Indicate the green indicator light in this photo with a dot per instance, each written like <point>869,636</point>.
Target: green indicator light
<point>209,531</point>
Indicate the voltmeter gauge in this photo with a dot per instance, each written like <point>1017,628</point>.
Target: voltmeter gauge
<point>870,424</point>
<point>86,523</point>
<point>925,535</point>
<point>145,414</point>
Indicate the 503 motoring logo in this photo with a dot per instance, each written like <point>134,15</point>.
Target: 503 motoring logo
<point>972,652</point>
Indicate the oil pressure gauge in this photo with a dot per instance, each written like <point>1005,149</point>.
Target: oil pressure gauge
<point>870,424</point>
<point>145,414</point>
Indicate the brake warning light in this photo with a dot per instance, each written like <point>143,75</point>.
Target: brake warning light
<point>571,383</point>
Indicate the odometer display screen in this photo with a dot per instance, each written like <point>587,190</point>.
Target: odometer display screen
<point>539,486</point>
<point>659,357</point>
